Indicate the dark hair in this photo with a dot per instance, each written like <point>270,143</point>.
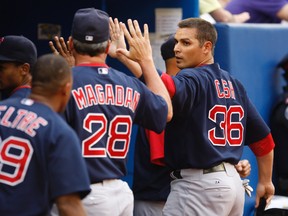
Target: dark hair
<point>205,30</point>
<point>50,72</point>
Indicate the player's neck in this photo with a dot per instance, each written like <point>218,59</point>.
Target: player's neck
<point>51,102</point>
<point>206,61</point>
<point>86,59</point>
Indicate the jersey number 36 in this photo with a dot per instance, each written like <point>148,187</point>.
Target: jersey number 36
<point>231,131</point>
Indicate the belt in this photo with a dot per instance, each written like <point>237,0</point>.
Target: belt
<point>218,168</point>
<point>176,174</point>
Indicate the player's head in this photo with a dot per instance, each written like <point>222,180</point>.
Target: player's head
<point>167,48</point>
<point>52,78</point>
<point>195,41</point>
<point>18,55</point>
<point>168,55</point>
<point>90,31</point>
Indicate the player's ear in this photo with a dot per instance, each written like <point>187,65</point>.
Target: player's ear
<point>70,43</point>
<point>67,88</point>
<point>25,69</point>
<point>108,46</point>
<point>207,47</point>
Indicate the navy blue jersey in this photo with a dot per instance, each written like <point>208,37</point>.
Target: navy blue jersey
<point>213,119</point>
<point>104,105</point>
<point>40,159</point>
<point>150,181</point>
<point>20,92</point>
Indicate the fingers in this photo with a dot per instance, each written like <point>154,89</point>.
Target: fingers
<point>61,46</point>
<point>269,199</point>
<point>131,28</point>
<point>126,32</point>
<point>146,32</point>
<point>111,28</point>
<point>117,27</point>
<point>53,49</point>
<point>137,28</point>
<point>140,47</point>
<point>243,168</point>
<point>115,30</point>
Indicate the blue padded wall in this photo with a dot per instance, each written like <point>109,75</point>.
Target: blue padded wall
<point>251,52</point>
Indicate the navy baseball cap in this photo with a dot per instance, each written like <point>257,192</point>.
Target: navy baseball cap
<point>90,25</point>
<point>167,48</point>
<point>17,48</point>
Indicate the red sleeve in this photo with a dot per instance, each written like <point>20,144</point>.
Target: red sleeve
<point>156,142</point>
<point>263,146</point>
<point>169,83</point>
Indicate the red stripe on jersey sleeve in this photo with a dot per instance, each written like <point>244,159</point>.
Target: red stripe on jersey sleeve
<point>169,83</point>
<point>156,142</point>
<point>263,146</point>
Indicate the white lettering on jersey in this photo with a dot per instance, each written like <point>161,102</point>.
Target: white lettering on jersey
<point>228,90</point>
<point>106,95</point>
<point>23,120</point>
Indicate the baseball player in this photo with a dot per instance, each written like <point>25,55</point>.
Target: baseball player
<point>17,57</point>
<point>104,105</point>
<point>213,119</point>
<point>279,127</point>
<point>40,158</point>
<point>151,184</point>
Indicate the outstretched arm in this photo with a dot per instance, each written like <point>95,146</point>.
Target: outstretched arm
<point>223,15</point>
<point>141,52</point>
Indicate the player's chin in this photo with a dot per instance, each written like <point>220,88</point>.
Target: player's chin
<point>180,65</point>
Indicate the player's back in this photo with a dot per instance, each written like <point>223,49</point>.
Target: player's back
<point>104,105</point>
<point>32,146</point>
<point>211,111</point>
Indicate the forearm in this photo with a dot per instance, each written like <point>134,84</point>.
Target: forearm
<point>133,66</point>
<point>222,15</point>
<point>265,166</point>
<point>154,83</point>
<point>283,13</point>
<point>70,205</point>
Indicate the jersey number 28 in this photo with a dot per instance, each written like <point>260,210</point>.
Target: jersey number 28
<point>89,145</point>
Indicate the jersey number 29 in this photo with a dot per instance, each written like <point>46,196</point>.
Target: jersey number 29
<point>15,156</point>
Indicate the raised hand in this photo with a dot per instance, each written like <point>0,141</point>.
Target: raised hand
<point>139,45</point>
<point>118,42</point>
<point>117,38</point>
<point>62,49</point>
